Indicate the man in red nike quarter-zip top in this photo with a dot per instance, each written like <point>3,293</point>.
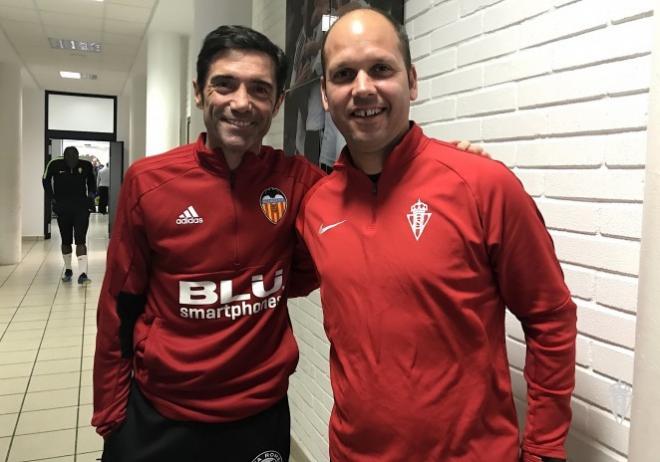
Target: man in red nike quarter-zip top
<point>194,345</point>
<point>419,249</point>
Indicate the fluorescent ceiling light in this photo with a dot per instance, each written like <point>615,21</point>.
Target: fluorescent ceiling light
<point>69,75</point>
<point>78,45</point>
<point>77,75</point>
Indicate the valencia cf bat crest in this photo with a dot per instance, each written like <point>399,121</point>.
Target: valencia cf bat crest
<point>273,204</point>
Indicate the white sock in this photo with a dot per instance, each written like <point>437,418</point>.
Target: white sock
<point>67,260</point>
<point>82,263</point>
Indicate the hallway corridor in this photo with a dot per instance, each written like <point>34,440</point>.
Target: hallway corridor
<point>47,337</point>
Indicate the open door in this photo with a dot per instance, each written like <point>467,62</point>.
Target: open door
<point>116,179</point>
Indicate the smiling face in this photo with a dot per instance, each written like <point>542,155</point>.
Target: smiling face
<point>366,87</point>
<point>238,100</point>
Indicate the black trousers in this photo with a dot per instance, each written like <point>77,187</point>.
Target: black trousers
<point>147,436</point>
<point>73,222</point>
<point>103,199</point>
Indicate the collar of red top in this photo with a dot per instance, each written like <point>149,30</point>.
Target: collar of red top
<point>214,159</point>
<point>412,143</point>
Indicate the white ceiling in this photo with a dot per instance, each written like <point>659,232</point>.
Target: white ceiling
<point>120,26</point>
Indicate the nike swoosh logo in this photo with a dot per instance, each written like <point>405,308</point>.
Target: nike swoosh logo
<point>323,229</point>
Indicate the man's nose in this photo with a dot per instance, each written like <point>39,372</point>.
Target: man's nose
<point>241,100</point>
<point>363,85</point>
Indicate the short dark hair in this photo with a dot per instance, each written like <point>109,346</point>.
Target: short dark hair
<point>404,42</point>
<point>240,38</point>
<point>70,150</point>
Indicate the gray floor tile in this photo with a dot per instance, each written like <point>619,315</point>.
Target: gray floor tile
<point>10,404</point>
<point>16,357</point>
<point>46,420</point>
<point>15,370</point>
<point>14,385</point>
<point>4,447</point>
<point>42,445</point>
<point>56,366</point>
<point>47,354</point>
<point>54,381</point>
<point>50,399</point>
<point>88,440</point>
<point>7,424</point>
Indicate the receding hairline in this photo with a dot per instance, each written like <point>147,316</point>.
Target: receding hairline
<point>366,11</point>
<point>223,53</point>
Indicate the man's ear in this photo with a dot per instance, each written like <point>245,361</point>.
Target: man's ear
<point>278,104</point>
<point>324,97</point>
<point>412,83</point>
<point>199,97</point>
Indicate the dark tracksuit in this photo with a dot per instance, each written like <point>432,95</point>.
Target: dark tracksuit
<point>69,188</point>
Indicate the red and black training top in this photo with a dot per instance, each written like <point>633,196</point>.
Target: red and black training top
<point>194,301</point>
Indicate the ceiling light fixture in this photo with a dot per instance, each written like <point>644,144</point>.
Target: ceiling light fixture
<point>70,75</point>
<point>77,75</point>
<point>78,45</point>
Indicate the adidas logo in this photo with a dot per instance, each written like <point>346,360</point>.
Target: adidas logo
<point>189,216</point>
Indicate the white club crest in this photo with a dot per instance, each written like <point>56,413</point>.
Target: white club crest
<point>418,218</point>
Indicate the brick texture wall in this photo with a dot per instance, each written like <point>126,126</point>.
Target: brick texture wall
<point>558,91</point>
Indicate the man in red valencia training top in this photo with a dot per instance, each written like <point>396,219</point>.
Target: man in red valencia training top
<point>194,346</point>
<point>419,248</point>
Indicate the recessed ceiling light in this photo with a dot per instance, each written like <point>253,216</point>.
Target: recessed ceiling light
<point>77,75</point>
<point>78,45</point>
<point>69,75</point>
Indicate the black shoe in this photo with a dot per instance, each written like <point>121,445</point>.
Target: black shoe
<point>83,279</point>
<point>68,274</point>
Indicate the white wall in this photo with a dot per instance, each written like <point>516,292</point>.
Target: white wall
<point>33,163</point>
<point>123,122</point>
<point>166,68</point>
<point>558,90</point>
<point>137,133</point>
<point>268,18</point>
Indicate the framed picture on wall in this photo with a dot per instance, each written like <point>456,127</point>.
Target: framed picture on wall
<point>308,129</point>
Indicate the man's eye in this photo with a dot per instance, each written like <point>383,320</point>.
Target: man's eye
<point>381,69</point>
<point>343,75</point>
<point>223,84</point>
<point>260,90</point>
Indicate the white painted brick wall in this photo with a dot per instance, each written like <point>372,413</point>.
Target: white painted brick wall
<point>310,394</point>
<point>558,91</point>
<point>512,12</point>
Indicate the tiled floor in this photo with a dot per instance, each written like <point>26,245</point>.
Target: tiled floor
<point>47,334</point>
